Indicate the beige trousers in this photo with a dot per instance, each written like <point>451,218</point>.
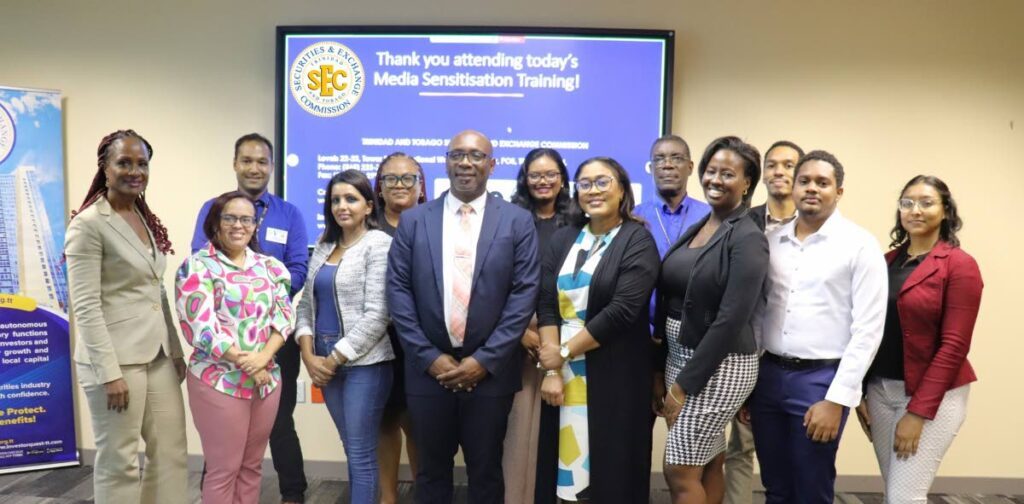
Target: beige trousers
<point>739,465</point>
<point>519,459</point>
<point>156,414</point>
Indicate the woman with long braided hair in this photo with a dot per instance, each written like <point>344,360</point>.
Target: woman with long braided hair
<point>128,356</point>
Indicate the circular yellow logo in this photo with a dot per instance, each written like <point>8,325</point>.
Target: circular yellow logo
<point>326,79</point>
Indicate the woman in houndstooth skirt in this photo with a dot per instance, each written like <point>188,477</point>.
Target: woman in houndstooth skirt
<point>710,288</point>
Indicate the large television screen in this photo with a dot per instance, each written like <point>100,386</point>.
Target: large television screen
<point>349,96</point>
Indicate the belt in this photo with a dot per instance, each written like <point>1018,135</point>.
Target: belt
<point>798,363</point>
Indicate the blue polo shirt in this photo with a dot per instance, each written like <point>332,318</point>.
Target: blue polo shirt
<point>667,225</point>
<point>281,233</point>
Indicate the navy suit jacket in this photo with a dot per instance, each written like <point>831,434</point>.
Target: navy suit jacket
<point>506,279</point>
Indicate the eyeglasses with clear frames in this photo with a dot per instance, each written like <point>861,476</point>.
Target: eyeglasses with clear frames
<point>551,176</point>
<point>474,156</point>
<point>907,204</point>
<point>601,183</point>
<point>406,181</point>
<point>247,221</point>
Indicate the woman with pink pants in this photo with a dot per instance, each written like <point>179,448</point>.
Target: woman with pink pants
<point>234,310</point>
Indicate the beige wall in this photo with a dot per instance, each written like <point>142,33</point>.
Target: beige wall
<point>892,88</point>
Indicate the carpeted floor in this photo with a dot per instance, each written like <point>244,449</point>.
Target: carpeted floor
<point>74,486</point>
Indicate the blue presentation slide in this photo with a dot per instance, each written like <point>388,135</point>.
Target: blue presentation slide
<point>348,100</point>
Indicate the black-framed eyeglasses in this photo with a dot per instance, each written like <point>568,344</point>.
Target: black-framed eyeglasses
<point>674,159</point>
<point>246,221</point>
<point>406,181</point>
<point>551,176</point>
<point>602,184</point>
<point>475,156</point>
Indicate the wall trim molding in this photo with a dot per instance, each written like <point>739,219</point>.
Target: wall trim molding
<point>844,483</point>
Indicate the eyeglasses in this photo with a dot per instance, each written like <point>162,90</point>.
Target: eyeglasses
<point>392,181</point>
<point>474,156</point>
<point>246,221</point>
<point>675,159</point>
<point>907,204</point>
<point>551,176</point>
<point>601,183</point>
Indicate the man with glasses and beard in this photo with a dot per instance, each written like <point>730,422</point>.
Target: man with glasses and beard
<point>669,216</point>
<point>463,278</point>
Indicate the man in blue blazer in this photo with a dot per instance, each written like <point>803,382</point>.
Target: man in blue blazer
<point>463,278</point>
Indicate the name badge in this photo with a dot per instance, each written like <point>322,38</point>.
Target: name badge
<point>275,235</point>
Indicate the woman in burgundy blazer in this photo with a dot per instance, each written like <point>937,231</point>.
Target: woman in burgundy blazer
<point>917,387</point>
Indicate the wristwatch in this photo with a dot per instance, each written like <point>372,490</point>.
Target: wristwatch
<point>563,352</point>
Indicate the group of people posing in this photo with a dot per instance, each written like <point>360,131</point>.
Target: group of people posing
<point>542,336</point>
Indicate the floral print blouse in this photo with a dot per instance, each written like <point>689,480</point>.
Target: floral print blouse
<point>220,305</point>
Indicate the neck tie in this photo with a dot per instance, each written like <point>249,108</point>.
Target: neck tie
<point>463,275</point>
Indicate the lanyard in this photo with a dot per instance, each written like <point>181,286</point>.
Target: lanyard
<point>679,232</point>
<point>259,223</point>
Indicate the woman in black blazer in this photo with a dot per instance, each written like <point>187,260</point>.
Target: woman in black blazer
<point>710,287</point>
<point>596,281</point>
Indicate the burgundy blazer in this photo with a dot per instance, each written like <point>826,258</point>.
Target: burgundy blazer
<point>938,305</point>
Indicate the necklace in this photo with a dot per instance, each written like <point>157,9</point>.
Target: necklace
<point>342,246</point>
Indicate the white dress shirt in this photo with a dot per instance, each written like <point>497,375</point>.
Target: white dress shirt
<point>451,232</point>
<point>827,298</point>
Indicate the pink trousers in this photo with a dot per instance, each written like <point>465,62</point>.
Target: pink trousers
<point>234,434</point>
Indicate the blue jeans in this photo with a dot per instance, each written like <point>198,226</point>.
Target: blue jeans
<point>355,398</point>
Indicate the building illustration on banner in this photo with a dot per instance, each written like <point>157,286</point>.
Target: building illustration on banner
<point>30,265</point>
<point>35,344</point>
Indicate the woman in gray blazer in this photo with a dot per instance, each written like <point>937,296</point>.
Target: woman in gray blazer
<point>128,357</point>
<point>343,319</point>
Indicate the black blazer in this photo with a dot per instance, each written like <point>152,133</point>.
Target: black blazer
<point>757,214</point>
<point>724,291</point>
<point>619,372</point>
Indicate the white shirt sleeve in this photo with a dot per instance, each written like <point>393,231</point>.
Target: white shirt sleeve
<point>869,296</point>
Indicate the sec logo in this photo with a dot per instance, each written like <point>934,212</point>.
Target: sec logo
<point>326,79</point>
<point>7,134</point>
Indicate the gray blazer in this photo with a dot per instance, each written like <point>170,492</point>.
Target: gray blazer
<point>360,300</point>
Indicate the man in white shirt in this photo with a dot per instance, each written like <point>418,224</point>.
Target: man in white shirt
<point>827,289</point>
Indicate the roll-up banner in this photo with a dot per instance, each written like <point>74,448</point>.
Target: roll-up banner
<point>37,421</point>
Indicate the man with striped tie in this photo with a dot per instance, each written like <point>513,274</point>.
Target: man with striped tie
<point>463,276</point>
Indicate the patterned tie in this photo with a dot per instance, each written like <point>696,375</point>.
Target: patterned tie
<point>463,279</point>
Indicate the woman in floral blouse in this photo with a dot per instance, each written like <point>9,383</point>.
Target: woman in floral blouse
<point>234,310</point>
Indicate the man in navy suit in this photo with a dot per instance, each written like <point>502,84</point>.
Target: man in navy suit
<point>463,278</point>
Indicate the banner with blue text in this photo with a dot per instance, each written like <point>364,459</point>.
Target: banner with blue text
<point>37,421</point>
